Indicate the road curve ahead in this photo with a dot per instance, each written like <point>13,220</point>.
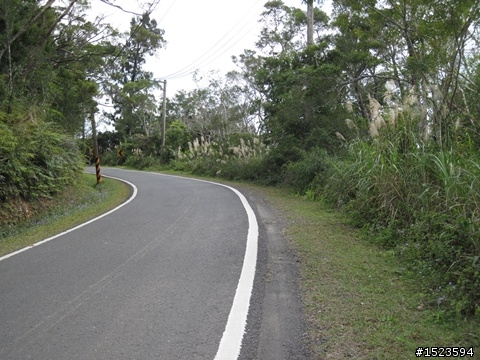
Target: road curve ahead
<point>155,279</point>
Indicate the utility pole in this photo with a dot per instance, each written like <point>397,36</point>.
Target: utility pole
<point>164,114</point>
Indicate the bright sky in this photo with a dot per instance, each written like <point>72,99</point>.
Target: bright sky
<point>200,35</point>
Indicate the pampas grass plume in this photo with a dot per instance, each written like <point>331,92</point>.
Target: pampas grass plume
<point>340,136</point>
<point>372,129</point>
<point>350,123</point>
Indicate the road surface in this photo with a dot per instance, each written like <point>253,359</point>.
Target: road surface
<point>157,279</point>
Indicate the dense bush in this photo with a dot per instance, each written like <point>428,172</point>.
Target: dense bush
<point>306,175</point>
<point>421,199</point>
<point>142,162</point>
<point>35,160</point>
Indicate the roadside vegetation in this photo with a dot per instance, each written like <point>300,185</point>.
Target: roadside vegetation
<point>25,223</point>
<point>360,300</point>
<point>377,117</point>
<point>371,112</point>
<point>56,62</point>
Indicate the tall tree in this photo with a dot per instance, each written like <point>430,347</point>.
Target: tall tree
<point>423,46</point>
<point>50,53</point>
<point>131,87</point>
<point>310,19</point>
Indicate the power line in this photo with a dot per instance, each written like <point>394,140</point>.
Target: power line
<point>166,12</point>
<point>192,69</point>
<point>206,53</point>
<point>201,63</point>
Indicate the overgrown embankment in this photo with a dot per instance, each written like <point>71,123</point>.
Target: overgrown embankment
<point>41,181</point>
<point>359,302</point>
<point>27,222</point>
<point>36,162</point>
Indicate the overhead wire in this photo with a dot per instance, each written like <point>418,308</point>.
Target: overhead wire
<point>199,63</point>
<point>188,69</point>
<point>203,64</point>
<point>168,10</point>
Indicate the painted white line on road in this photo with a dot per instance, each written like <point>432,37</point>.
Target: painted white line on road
<point>134,194</point>
<point>231,342</point>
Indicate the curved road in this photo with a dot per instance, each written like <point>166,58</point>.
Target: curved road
<point>155,279</point>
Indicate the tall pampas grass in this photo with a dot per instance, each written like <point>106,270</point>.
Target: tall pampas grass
<point>422,196</point>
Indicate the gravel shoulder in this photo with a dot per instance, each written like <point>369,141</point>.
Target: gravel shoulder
<point>276,326</point>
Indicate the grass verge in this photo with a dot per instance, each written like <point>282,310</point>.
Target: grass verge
<point>72,207</point>
<point>358,302</point>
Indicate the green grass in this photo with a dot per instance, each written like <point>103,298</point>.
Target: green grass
<point>72,207</point>
<point>358,302</point>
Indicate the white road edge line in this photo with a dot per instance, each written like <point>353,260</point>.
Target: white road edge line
<point>134,194</point>
<point>231,342</point>
<point>232,338</point>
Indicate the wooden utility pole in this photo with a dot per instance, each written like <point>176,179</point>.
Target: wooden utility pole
<point>164,114</point>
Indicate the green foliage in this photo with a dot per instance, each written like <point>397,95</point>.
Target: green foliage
<point>47,61</point>
<point>139,161</point>
<point>177,136</point>
<point>306,175</point>
<point>111,158</point>
<point>35,161</point>
<point>419,199</point>
<point>129,85</point>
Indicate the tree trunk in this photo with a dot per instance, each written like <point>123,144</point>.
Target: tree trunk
<point>309,22</point>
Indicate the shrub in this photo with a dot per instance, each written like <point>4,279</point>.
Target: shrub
<point>138,161</point>
<point>240,161</point>
<point>35,161</point>
<point>420,198</point>
<point>307,173</point>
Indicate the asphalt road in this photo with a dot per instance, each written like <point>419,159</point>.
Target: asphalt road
<point>156,279</point>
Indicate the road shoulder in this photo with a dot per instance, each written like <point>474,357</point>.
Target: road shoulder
<point>276,325</point>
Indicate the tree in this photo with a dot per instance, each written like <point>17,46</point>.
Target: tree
<point>144,39</point>
<point>130,87</point>
<point>177,136</point>
<point>138,98</point>
<point>51,52</point>
<point>289,81</point>
<point>310,20</point>
<point>22,37</point>
<point>279,29</point>
<point>423,46</point>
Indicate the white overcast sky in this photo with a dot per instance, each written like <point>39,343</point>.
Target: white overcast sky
<point>200,34</point>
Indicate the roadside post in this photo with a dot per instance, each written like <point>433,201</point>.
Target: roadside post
<point>95,148</point>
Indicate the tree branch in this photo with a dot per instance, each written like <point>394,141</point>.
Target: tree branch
<point>25,27</point>
<point>61,16</point>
